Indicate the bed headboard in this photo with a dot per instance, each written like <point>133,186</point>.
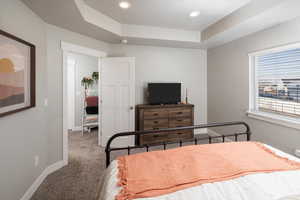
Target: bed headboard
<point>221,137</point>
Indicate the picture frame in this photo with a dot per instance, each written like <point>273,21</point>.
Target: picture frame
<point>17,74</point>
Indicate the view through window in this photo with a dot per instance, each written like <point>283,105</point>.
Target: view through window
<point>278,82</point>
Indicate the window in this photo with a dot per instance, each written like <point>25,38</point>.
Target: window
<point>275,81</point>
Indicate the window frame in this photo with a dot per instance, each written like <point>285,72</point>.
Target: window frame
<point>253,112</point>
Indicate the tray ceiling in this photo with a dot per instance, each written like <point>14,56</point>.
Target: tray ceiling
<point>166,22</point>
<point>168,13</point>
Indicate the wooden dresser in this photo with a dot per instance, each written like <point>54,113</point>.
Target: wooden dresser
<point>152,117</point>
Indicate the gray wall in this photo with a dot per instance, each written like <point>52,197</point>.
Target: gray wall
<point>55,86</point>
<point>24,134</point>
<point>38,131</point>
<point>228,83</point>
<point>160,64</point>
<point>152,64</point>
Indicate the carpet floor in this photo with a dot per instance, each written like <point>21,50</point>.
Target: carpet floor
<point>80,179</point>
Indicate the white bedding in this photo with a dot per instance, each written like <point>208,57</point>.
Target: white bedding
<point>262,186</point>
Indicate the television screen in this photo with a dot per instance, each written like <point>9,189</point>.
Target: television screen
<point>164,93</point>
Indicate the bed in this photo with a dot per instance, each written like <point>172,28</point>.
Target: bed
<point>277,185</point>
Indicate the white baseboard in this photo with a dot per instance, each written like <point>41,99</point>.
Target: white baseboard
<point>77,128</point>
<point>50,169</point>
<point>200,131</point>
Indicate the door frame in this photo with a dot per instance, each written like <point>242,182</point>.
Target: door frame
<point>71,101</point>
<point>66,49</point>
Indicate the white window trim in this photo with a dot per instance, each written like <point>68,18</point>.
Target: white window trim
<point>253,112</point>
<point>281,120</point>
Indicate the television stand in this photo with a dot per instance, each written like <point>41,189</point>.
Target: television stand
<point>153,117</point>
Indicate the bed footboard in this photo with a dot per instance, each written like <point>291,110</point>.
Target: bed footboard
<point>109,149</point>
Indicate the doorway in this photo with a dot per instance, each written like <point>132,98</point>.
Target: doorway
<point>116,102</point>
<point>74,58</point>
<point>82,86</point>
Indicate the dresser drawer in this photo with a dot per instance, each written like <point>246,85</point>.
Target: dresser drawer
<point>152,124</point>
<point>178,135</point>
<point>177,113</point>
<point>180,122</point>
<point>157,117</point>
<point>154,138</point>
<point>155,114</point>
<point>175,136</point>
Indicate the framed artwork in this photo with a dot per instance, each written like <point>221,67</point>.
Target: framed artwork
<point>17,74</point>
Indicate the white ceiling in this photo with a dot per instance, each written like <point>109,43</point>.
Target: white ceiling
<point>168,13</point>
<point>160,23</point>
<point>65,14</point>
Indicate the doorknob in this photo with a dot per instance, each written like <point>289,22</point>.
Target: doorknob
<point>131,107</point>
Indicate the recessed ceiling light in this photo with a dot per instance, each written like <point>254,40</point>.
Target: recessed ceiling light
<point>124,4</point>
<point>124,41</point>
<point>194,14</point>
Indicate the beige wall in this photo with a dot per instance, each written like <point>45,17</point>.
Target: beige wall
<point>228,78</point>
<point>24,134</point>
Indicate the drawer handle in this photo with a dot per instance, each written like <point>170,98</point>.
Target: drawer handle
<point>155,122</point>
<point>155,114</point>
<point>179,120</point>
<point>179,113</point>
<point>155,128</point>
<point>180,133</point>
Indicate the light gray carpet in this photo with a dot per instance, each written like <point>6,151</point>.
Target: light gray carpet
<point>80,179</point>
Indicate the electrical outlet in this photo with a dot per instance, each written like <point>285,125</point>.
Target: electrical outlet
<point>36,161</point>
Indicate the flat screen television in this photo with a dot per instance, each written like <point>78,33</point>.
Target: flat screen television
<point>164,93</point>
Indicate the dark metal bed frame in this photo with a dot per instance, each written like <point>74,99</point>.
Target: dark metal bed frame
<point>109,149</point>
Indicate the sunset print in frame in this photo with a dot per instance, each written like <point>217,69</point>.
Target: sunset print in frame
<point>17,74</point>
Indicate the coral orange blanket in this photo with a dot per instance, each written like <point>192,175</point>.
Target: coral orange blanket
<point>162,172</point>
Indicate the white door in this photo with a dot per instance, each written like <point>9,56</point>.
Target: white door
<point>117,93</point>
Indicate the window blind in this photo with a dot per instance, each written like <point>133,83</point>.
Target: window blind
<point>278,80</point>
